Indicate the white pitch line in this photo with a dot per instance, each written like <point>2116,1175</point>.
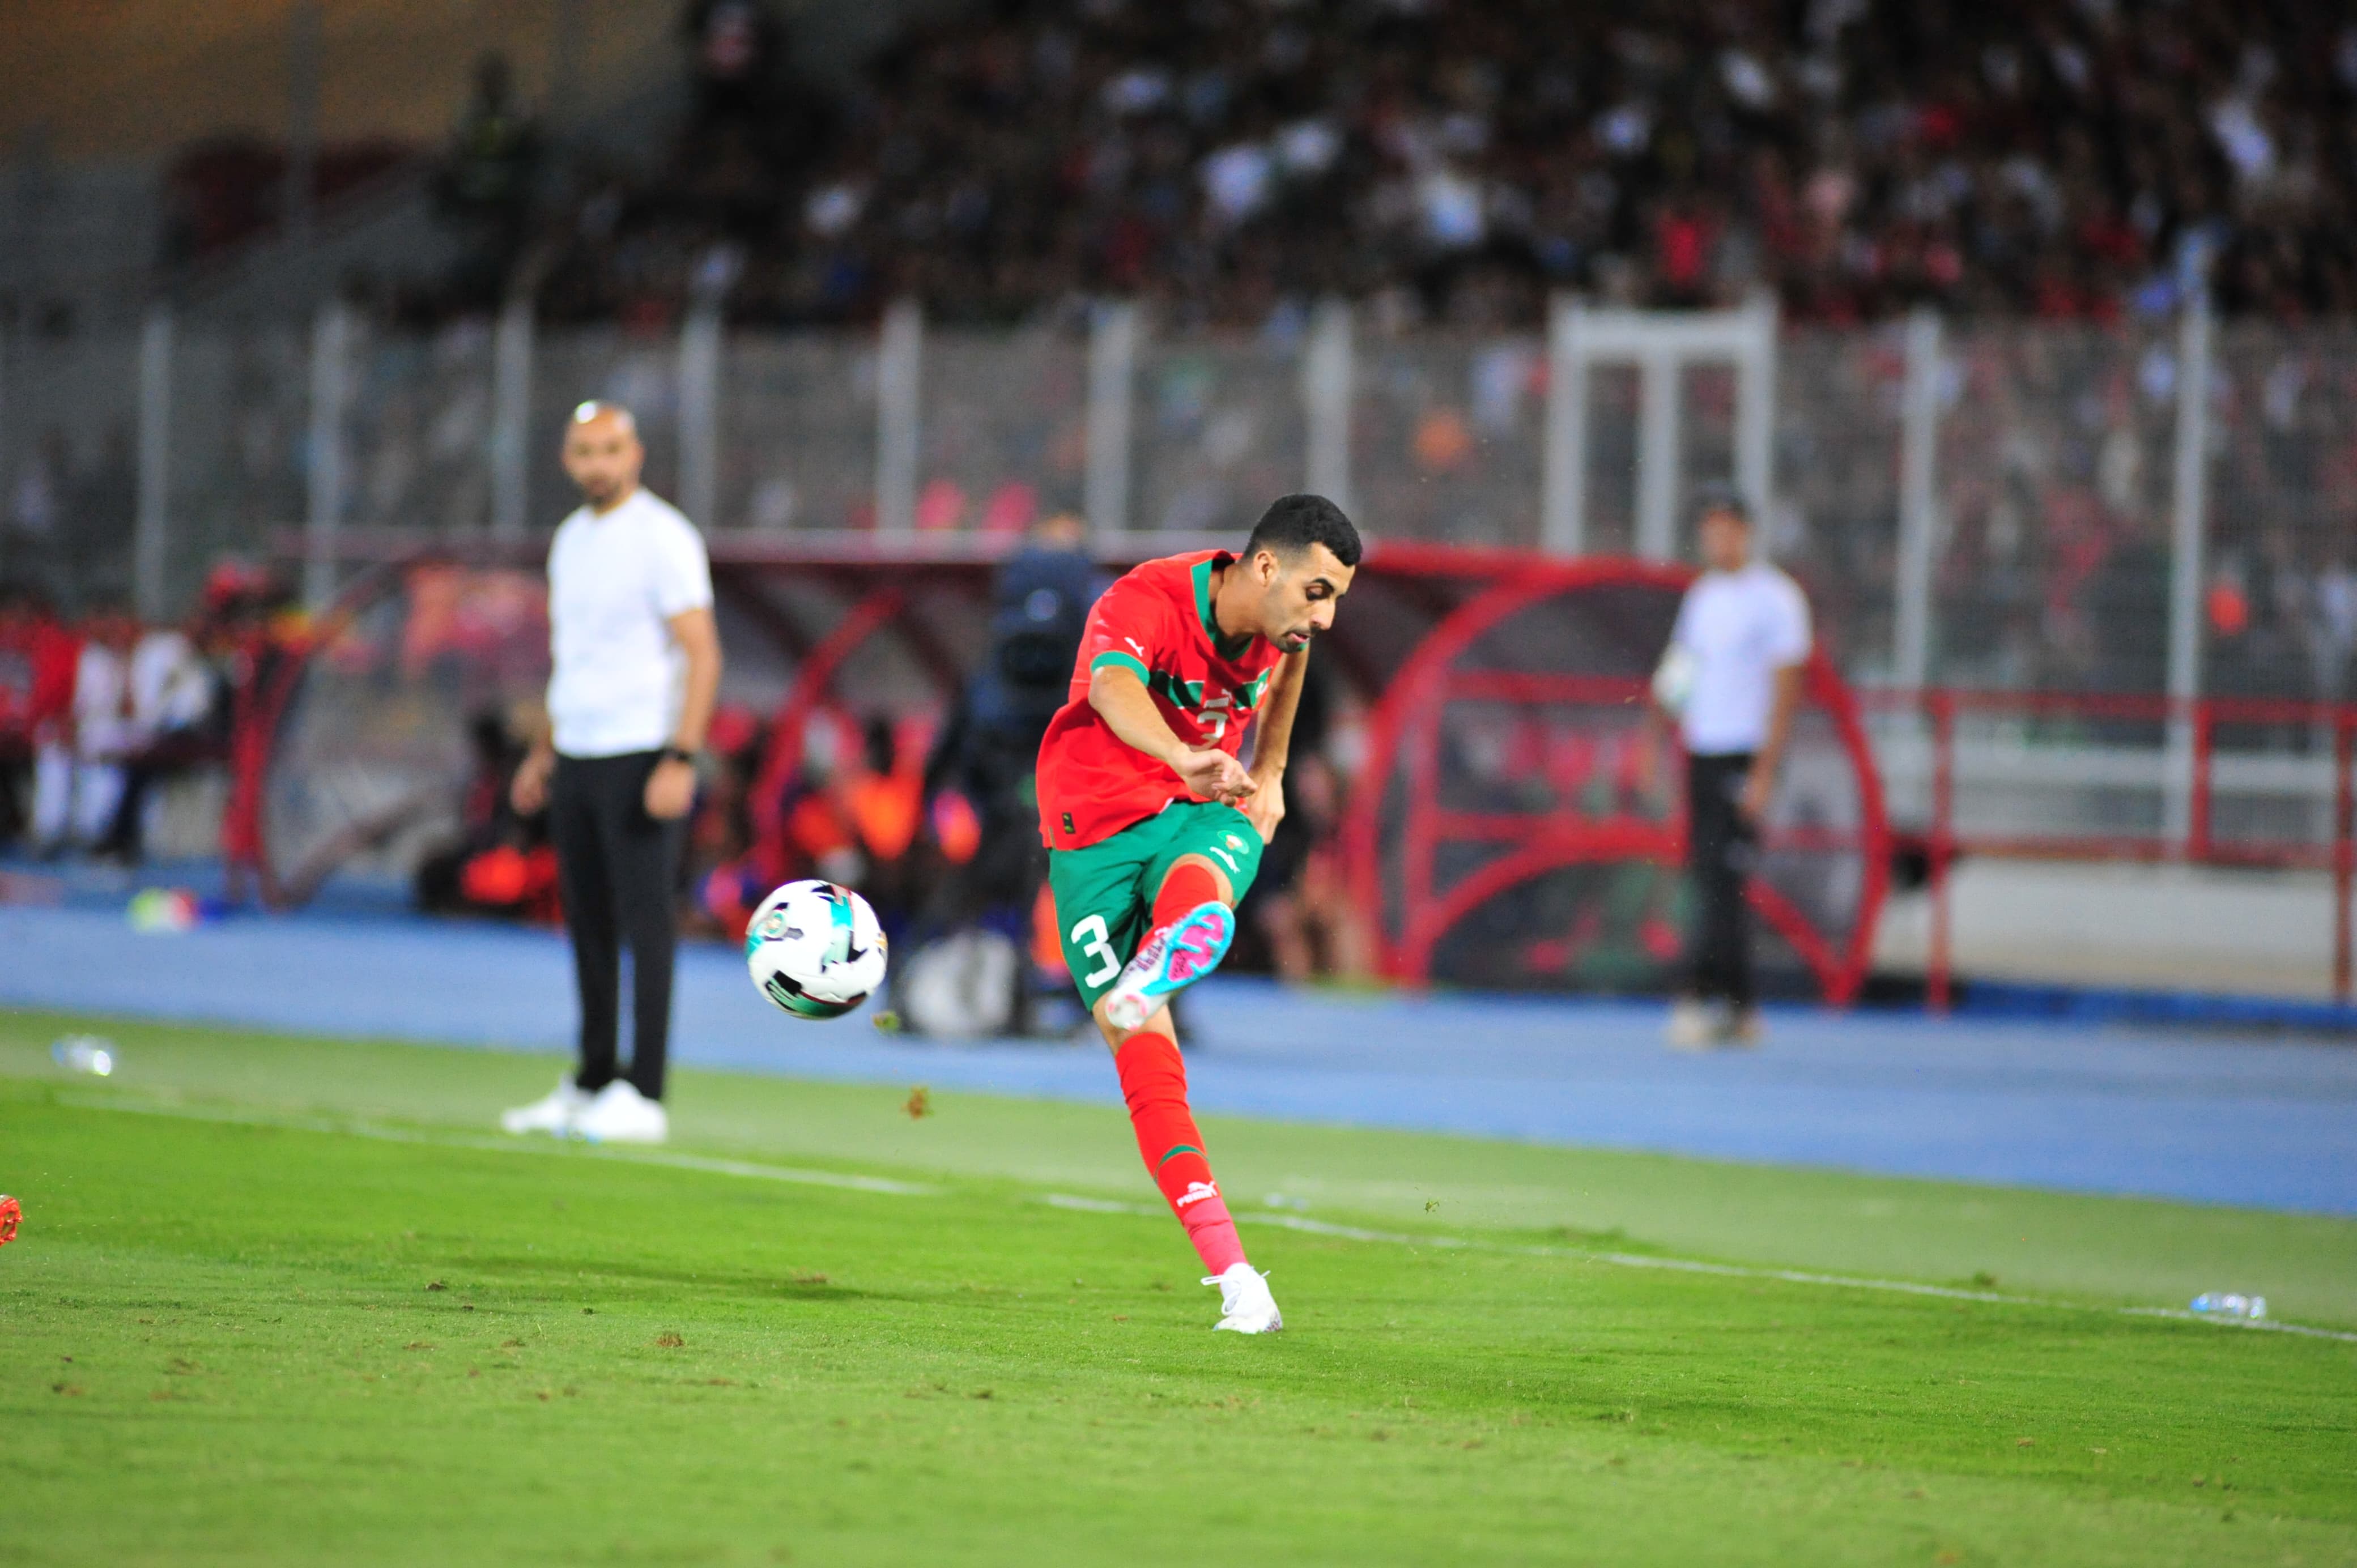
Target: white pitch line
<point>1727,1271</point>
<point>513,1145</point>
<point>884,1186</point>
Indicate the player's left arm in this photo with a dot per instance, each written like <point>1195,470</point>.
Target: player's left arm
<point>1789,636</point>
<point>1274,744</point>
<point>1760,784</point>
<point>670,787</point>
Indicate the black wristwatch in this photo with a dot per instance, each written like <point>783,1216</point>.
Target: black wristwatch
<point>679,754</point>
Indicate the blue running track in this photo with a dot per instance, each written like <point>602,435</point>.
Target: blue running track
<point>2264,1122</point>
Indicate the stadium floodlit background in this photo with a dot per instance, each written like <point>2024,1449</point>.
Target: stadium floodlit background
<point>2031,333</point>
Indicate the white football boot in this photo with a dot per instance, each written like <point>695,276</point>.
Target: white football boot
<point>621,1114</point>
<point>1170,959</point>
<point>1245,1305</point>
<point>554,1114</point>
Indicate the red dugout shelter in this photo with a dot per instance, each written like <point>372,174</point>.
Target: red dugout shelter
<point>1516,821</point>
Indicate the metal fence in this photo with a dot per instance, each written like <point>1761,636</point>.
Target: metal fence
<point>2160,507</point>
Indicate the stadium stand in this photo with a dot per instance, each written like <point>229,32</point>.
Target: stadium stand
<point>1230,159</point>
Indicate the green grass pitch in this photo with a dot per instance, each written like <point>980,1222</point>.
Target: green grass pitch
<point>285,1301</point>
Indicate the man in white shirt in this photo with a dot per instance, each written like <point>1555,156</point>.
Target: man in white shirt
<point>79,777</point>
<point>139,700</point>
<point>635,667</point>
<point>170,691</point>
<point>1731,680</point>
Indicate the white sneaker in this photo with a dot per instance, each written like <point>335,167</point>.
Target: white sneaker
<point>553,1115</point>
<point>1245,1305</point>
<point>1170,959</point>
<point>1693,1027</point>
<point>621,1114</point>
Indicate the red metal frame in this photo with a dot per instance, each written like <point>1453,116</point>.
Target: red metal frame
<point>253,734</point>
<point>2199,846</point>
<point>890,608</point>
<point>962,559</point>
<point>1408,715</point>
<point>1943,843</point>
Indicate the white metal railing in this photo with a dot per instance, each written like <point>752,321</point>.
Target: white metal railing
<point>1500,440</point>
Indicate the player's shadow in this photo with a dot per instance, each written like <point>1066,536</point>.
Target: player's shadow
<point>666,1282</point>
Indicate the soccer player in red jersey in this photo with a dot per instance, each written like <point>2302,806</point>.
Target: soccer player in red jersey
<point>1155,828</point>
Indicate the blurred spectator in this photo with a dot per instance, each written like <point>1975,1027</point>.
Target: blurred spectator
<point>78,773</point>
<point>735,46</point>
<point>722,875</point>
<point>1307,915</point>
<point>2334,633</point>
<point>819,840</point>
<point>74,794</point>
<point>1224,157</point>
<point>37,659</point>
<point>883,800</point>
<point>978,782</point>
<point>172,696</point>
<point>1298,919</point>
<point>500,863</point>
<point>487,184</point>
<point>987,753</point>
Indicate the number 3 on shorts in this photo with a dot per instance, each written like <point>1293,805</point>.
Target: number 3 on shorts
<point>1090,937</point>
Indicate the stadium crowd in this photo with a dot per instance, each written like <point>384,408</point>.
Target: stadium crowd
<point>1453,159</point>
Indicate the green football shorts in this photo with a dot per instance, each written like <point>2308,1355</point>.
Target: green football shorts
<point>1104,891</point>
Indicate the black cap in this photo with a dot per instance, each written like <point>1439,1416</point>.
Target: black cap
<point>1709,498</point>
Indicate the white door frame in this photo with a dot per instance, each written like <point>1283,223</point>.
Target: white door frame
<point>1661,344</point>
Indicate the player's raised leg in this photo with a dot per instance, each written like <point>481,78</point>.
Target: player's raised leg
<point>1194,921</point>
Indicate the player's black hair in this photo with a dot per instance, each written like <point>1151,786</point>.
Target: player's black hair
<point>1293,523</point>
<point>1721,498</point>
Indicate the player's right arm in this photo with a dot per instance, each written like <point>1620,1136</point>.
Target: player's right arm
<point>1120,698</point>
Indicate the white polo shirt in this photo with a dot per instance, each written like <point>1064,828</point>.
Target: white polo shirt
<point>1739,629</point>
<point>616,676</point>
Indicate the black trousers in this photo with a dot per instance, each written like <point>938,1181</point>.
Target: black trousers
<point>1719,859</point>
<point>617,871</point>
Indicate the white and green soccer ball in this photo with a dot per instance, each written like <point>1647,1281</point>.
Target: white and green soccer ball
<point>815,950</point>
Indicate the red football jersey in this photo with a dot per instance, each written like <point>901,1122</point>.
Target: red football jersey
<point>1156,622</point>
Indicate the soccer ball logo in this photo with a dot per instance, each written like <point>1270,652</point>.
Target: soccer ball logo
<point>814,950</point>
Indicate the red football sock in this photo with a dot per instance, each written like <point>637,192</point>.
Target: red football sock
<point>1153,1083</point>
<point>1184,887</point>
